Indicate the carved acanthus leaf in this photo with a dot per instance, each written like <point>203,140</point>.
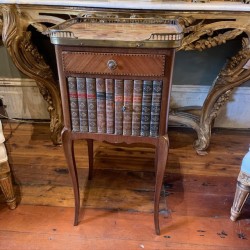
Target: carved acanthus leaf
<point>10,27</point>
<point>185,22</point>
<point>33,59</point>
<point>194,28</point>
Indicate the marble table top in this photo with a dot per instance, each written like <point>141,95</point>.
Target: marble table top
<point>140,4</point>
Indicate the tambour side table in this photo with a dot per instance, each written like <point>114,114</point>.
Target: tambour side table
<point>115,79</point>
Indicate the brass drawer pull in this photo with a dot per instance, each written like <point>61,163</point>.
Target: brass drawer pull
<point>112,64</point>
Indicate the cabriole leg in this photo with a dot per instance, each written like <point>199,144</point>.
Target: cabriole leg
<point>162,156</point>
<point>68,147</point>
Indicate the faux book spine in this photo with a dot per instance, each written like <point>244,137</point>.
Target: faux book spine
<point>101,105</point>
<point>82,103</point>
<point>119,92</point>
<point>146,108</point>
<point>110,109</point>
<point>92,107</point>
<point>114,106</point>
<point>127,107</point>
<point>73,99</point>
<point>155,108</point>
<point>137,107</point>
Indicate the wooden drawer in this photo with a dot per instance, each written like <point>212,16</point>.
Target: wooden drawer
<point>113,64</point>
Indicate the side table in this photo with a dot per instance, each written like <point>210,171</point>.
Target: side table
<point>115,81</point>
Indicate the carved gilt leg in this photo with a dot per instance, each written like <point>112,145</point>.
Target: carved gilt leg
<point>6,185</point>
<point>200,35</point>
<point>27,59</point>
<point>235,73</point>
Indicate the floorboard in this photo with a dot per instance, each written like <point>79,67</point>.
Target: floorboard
<point>117,205</point>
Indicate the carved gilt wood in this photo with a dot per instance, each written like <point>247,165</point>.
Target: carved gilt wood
<point>27,59</point>
<point>235,72</point>
<point>202,30</point>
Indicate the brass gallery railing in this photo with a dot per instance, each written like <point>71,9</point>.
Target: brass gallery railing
<point>202,30</point>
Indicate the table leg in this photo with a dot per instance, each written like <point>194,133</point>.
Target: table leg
<point>235,73</point>
<point>6,185</point>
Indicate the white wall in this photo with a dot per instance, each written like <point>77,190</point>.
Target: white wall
<point>235,114</point>
<point>22,99</point>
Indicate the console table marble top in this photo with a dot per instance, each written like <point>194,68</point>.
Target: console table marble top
<point>141,4</point>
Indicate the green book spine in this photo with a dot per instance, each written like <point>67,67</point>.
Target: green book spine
<point>118,106</point>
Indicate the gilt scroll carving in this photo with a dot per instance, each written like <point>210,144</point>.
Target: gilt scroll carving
<point>27,59</point>
<point>204,36</point>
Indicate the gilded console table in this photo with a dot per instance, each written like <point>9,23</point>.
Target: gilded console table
<point>205,25</point>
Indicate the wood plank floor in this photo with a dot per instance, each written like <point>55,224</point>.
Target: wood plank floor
<point>117,205</point>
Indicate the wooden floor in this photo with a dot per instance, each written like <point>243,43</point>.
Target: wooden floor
<point>117,205</point>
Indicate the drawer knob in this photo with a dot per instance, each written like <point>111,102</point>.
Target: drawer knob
<point>112,64</point>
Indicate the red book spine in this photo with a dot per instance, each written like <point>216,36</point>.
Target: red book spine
<point>118,106</point>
